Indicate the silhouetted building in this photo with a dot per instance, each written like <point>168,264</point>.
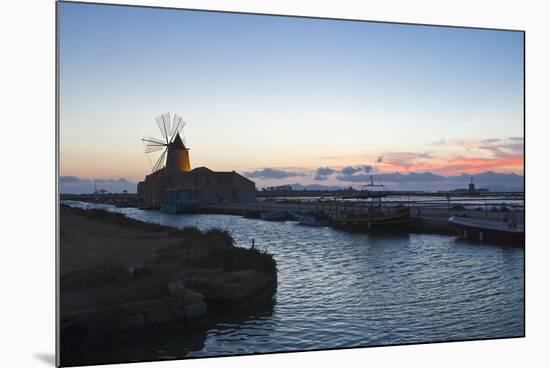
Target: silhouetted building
<point>471,186</point>
<point>178,184</point>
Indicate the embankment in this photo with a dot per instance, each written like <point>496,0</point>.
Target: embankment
<point>121,278</point>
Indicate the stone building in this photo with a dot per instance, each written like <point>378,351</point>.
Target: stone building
<point>202,184</point>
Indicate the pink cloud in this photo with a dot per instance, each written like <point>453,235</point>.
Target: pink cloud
<point>461,156</point>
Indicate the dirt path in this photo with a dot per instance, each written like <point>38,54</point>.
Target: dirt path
<point>87,243</point>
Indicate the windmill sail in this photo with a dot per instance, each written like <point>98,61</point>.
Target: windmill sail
<point>177,126</point>
<point>160,161</point>
<point>163,123</point>
<point>153,145</point>
<point>169,131</point>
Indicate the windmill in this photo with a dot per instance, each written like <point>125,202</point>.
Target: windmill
<point>171,145</point>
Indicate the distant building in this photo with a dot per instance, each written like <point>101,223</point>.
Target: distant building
<point>471,189</point>
<point>471,186</point>
<point>177,184</point>
<point>279,188</point>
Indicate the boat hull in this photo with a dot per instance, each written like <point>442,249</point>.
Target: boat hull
<point>394,220</point>
<point>475,233</point>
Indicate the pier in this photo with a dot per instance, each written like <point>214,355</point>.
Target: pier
<point>429,211</point>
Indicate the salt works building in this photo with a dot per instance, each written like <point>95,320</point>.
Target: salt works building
<point>176,187</point>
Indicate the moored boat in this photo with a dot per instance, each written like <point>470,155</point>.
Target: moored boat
<point>375,218</point>
<point>313,219</point>
<point>506,231</point>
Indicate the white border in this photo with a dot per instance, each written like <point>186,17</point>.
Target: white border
<point>28,180</point>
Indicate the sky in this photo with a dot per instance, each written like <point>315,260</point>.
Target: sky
<point>289,100</point>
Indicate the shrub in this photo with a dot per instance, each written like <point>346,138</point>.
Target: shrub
<point>236,258</point>
<point>219,237</point>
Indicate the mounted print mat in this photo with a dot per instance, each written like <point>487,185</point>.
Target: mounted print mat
<point>235,184</point>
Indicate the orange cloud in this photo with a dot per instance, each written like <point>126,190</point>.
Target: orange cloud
<point>457,165</point>
<point>472,156</point>
<point>473,165</point>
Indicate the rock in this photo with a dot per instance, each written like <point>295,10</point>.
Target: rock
<point>192,297</point>
<point>193,311</point>
<point>175,302</point>
<point>248,278</point>
<point>177,288</point>
<point>235,291</point>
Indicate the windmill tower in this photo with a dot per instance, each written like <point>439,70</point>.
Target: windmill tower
<point>172,146</point>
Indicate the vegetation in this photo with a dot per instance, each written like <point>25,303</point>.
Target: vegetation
<point>117,219</point>
<point>235,259</point>
<point>213,248</point>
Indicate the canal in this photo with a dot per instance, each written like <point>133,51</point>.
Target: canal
<point>339,289</point>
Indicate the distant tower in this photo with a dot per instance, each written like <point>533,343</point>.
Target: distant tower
<point>471,186</point>
<point>177,158</point>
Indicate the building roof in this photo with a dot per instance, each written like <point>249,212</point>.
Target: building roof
<point>206,171</point>
<point>201,170</point>
<point>198,171</point>
<point>159,172</point>
<point>177,143</point>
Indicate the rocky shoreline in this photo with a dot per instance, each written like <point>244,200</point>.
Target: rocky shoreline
<point>121,278</point>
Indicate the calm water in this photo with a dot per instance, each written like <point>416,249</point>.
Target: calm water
<point>339,289</point>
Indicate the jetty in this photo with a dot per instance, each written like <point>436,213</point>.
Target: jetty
<point>430,211</point>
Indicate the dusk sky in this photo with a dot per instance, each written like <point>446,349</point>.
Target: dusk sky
<point>287,100</point>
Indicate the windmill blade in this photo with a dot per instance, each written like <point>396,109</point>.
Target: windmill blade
<point>154,141</point>
<point>177,126</point>
<point>150,149</point>
<point>160,161</point>
<point>163,122</point>
<point>152,144</point>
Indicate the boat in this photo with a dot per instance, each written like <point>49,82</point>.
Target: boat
<point>506,231</point>
<point>375,218</point>
<point>274,216</point>
<point>376,214</point>
<point>312,219</point>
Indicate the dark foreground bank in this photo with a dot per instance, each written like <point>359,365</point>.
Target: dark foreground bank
<point>121,279</point>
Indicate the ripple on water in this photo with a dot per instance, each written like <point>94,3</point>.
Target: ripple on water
<point>338,289</point>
